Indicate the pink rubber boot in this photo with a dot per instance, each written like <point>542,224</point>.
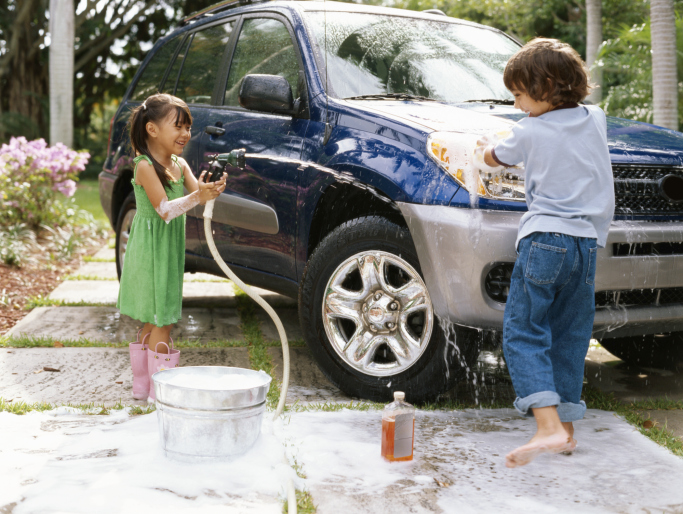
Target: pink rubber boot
<point>138,361</point>
<point>159,362</point>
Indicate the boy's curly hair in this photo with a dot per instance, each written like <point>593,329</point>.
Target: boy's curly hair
<point>548,70</point>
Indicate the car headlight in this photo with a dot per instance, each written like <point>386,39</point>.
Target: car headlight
<point>453,153</point>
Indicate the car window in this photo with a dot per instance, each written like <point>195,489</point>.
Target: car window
<point>152,75</point>
<point>169,85</point>
<point>264,47</point>
<point>371,54</point>
<point>202,64</point>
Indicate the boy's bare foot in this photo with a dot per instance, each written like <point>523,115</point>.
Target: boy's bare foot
<point>552,436</point>
<point>569,427</point>
<point>553,443</point>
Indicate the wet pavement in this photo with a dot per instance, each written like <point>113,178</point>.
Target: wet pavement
<point>210,314</point>
<point>461,462</point>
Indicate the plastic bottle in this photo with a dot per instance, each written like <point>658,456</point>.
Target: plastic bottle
<point>398,429</point>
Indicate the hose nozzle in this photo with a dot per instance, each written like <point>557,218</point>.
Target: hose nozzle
<point>236,158</point>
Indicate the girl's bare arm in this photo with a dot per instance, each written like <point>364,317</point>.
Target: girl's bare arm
<point>169,209</point>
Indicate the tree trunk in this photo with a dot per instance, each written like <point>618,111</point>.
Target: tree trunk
<point>23,76</point>
<point>62,72</point>
<point>664,74</point>
<point>593,42</point>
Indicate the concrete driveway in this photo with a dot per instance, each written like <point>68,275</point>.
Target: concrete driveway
<point>458,465</point>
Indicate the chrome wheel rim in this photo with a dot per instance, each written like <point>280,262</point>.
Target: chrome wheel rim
<point>126,223</point>
<point>377,313</point>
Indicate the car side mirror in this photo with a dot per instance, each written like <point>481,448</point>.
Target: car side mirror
<point>267,93</point>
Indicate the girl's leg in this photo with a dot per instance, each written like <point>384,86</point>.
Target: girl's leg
<point>146,330</point>
<point>160,335</point>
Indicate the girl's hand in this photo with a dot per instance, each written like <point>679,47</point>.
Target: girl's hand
<point>210,190</point>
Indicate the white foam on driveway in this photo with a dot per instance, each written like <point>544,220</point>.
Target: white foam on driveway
<point>57,461</point>
<point>60,461</point>
<point>615,469</point>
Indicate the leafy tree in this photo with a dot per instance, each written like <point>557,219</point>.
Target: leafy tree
<point>627,61</point>
<point>112,38</point>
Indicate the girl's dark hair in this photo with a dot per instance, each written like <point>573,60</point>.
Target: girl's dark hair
<point>155,109</point>
<point>542,59</point>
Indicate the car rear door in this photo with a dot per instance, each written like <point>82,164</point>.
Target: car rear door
<point>194,77</point>
<point>255,218</point>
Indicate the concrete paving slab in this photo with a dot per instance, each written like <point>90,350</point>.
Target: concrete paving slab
<point>97,269</point>
<point>458,466</point>
<point>106,253</point>
<point>306,382</point>
<point>89,374</point>
<point>290,322</point>
<point>196,293</point>
<point>106,324</point>
<point>68,462</point>
<point>90,291</point>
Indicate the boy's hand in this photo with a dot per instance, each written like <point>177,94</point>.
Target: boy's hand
<point>482,159</point>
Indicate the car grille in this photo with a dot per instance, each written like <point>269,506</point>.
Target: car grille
<point>639,297</point>
<point>637,192</point>
<point>497,285</point>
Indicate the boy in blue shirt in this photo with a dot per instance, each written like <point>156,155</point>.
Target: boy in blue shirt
<point>570,197</point>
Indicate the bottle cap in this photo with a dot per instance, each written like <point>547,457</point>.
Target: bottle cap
<point>399,395</point>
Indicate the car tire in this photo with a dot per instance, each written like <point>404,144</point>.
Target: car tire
<point>123,224</point>
<point>663,351</point>
<point>342,301</point>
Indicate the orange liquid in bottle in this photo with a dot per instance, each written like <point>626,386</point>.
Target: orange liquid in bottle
<point>388,437</point>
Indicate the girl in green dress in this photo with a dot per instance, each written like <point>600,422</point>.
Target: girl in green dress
<point>152,276</point>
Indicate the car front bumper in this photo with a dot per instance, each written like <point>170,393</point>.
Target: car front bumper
<point>458,247</point>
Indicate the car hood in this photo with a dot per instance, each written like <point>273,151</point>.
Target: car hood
<point>629,141</point>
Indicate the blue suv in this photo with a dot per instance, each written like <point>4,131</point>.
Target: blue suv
<point>358,122</point>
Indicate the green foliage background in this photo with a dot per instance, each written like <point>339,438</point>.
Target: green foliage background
<point>625,56</point>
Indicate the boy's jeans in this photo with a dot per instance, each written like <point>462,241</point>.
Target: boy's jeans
<point>549,320</point>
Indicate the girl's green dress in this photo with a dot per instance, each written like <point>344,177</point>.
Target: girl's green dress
<point>152,277</point>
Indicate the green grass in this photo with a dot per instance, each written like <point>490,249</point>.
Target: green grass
<point>304,503</point>
<point>259,359</point>
<point>40,301</point>
<point>362,406</point>
<point>88,258</point>
<point>49,342</point>
<point>20,408</point>
<point>88,197</point>
<point>89,277</point>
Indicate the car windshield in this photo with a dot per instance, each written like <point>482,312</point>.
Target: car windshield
<point>371,54</point>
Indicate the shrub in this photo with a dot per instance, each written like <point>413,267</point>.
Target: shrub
<point>35,181</point>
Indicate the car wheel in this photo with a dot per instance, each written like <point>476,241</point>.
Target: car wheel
<point>651,351</point>
<point>123,225</point>
<point>368,319</point>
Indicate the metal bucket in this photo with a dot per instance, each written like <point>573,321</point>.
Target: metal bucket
<point>210,424</point>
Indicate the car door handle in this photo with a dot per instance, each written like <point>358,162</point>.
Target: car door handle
<point>214,131</point>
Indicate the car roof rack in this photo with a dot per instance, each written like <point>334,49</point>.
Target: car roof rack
<point>220,6</point>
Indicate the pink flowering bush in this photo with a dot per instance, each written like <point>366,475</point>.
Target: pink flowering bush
<point>36,181</point>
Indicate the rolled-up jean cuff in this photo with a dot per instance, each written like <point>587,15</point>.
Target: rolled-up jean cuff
<point>569,412</point>
<point>536,401</point>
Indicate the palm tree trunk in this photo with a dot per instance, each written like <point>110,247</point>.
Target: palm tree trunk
<point>62,71</point>
<point>593,42</point>
<point>664,74</point>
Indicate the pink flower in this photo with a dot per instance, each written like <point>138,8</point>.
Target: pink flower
<point>67,188</point>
